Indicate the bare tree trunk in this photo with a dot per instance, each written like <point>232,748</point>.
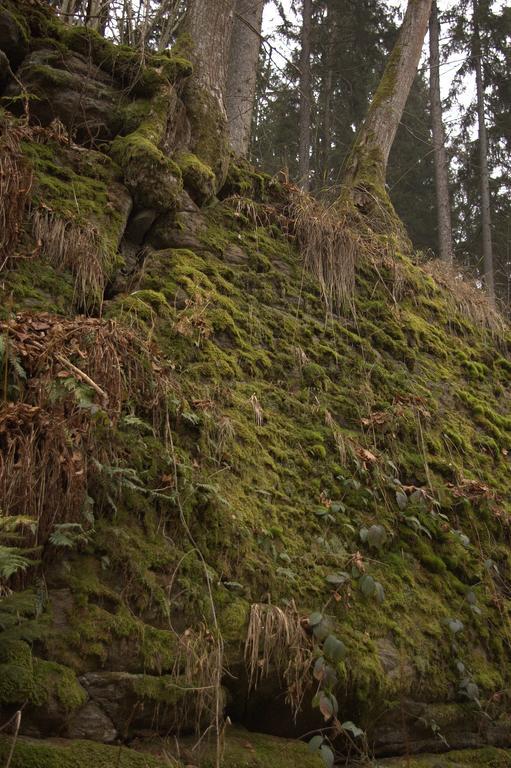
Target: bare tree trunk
<point>207,26</point>
<point>484,177</point>
<point>242,73</point>
<point>443,201</point>
<point>305,97</point>
<point>367,164</point>
<point>328,87</point>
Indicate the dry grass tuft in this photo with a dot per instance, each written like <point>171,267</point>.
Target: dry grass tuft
<point>73,377</point>
<point>77,248</point>
<point>15,186</point>
<point>332,240</point>
<point>276,640</point>
<point>464,297</point>
<point>198,668</point>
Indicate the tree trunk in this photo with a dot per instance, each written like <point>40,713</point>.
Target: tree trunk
<point>305,97</point>
<point>242,72</point>
<point>484,177</point>
<point>366,166</point>
<point>443,202</point>
<point>207,29</point>
<point>326,142</point>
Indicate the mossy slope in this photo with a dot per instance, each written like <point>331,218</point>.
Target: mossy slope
<point>289,431</point>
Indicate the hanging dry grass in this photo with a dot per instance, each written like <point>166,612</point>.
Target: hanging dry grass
<point>333,239</point>
<point>43,467</point>
<point>71,374</point>
<point>464,297</point>
<point>15,186</point>
<point>277,640</point>
<point>75,247</point>
<point>198,668</point>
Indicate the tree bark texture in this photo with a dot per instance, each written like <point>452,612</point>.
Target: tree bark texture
<point>372,146</point>
<point>207,29</point>
<point>484,176</point>
<point>443,202</point>
<point>242,72</point>
<point>209,25</point>
<point>305,97</point>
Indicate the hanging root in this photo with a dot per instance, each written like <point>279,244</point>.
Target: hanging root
<point>75,247</point>
<point>15,186</point>
<point>465,298</point>
<point>277,640</point>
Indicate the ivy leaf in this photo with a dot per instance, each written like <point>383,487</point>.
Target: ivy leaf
<point>367,585</point>
<point>334,649</point>
<point>315,619</point>
<point>319,668</point>
<point>376,536</point>
<point>327,755</point>
<point>315,743</point>
<point>402,499</point>
<point>337,579</point>
<point>328,705</point>
<point>455,625</point>
<point>379,593</point>
<point>352,728</point>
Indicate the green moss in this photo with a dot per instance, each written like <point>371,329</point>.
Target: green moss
<point>31,753</point>
<point>152,178</point>
<point>25,678</point>
<point>488,757</point>
<point>198,178</point>
<point>252,750</point>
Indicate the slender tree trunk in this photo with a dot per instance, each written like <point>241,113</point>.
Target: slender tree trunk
<point>366,166</point>
<point>209,25</point>
<point>305,97</point>
<point>207,29</point>
<point>443,201</point>
<point>327,117</point>
<point>242,72</point>
<point>484,176</point>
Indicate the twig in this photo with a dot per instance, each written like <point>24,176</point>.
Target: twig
<point>83,376</point>
<point>17,721</point>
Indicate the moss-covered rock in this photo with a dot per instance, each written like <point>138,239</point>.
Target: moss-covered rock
<point>478,758</point>
<point>30,753</point>
<point>198,178</point>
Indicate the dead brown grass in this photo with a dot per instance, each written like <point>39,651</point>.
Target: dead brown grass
<point>333,238</point>
<point>78,248</point>
<point>464,297</point>
<point>276,641</point>
<point>15,186</point>
<point>198,669</point>
<point>80,374</point>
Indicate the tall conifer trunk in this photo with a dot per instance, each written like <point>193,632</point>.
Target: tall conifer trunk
<point>305,97</point>
<point>443,202</point>
<point>484,176</point>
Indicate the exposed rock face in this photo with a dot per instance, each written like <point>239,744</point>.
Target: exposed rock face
<point>90,722</point>
<point>73,90</point>
<point>13,35</point>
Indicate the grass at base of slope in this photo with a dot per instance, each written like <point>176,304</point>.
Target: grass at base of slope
<point>61,753</point>
<point>488,757</point>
